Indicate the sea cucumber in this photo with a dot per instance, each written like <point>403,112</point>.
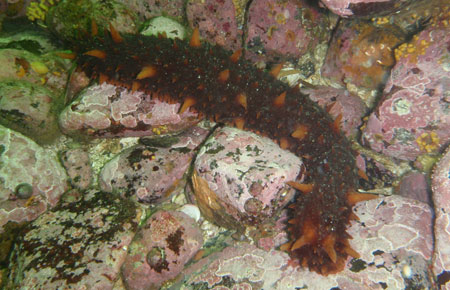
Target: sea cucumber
<point>224,87</point>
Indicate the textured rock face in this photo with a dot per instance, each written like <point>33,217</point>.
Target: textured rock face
<point>216,21</point>
<point>412,118</point>
<point>240,177</point>
<point>280,30</point>
<point>441,199</point>
<point>393,238</point>
<point>80,244</point>
<point>150,173</point>
<point>162,247</point>
<point>109,111</point>
<point>347,8</point>
<point>31,179</point>
<point>78,167</point>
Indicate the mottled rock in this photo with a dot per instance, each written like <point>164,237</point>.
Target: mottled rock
<point>414,185</point>
<point>80,245</point>
<point>241,266</point>
<point>150,174</point>
<point>283,30</point>
<point>29,109</point>
<point>393,238</point>
<point>164,26</point>
<point>412,118</point>
<point>78,167</point>
<point>31,178</point>
<point>147,9</point>
<point>162,247</point>
<point>240,178</point>
<point>441,200</point>
<point>216,21</point>
<point>339,102</point>
<point>347,8</point>
<point>360,55</point>
<point>109,111</point>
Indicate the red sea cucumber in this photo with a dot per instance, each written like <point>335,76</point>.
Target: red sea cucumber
<point>224,87</point>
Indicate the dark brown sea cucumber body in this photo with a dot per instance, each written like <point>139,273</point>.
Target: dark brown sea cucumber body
<point>216,86</point>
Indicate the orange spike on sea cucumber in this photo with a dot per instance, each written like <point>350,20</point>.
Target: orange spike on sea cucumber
<point>94,28</point>
<point>280,100</point>
<point>303,187</point>
<point>96,53</point>
<point>300,132</point>
<point>355,197</point>
<point>102,78</point>
<point>66,55</point>
<point>135,86</point>
<point>286,246</point>
<point>363,175</point>
<point>236,55</point>
<point>284,143</point>
<point>328,246</point>
<point>115,35</point>
<point>337,124</point>
<point>188,102</point>
<point>242,100</point>
<point>146,72</point>
<point>275,71</point>
<point>224,75</point>
<point>309,235</point>
<point>195,38</point>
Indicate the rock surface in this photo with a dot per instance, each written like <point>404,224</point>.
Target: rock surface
<point>81,244</point>
<point>240,177</point>
<point>162,247</point>
<point>31,178</point>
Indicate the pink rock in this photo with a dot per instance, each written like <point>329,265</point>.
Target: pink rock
<point>79,245</point>
<point>283,30</point>
<point>340,102</point>
<point>412,118</point>
<point>151,174</point>
<point>240,266</point>
<point>152,8</point>
<point>164,245</point>
<point>78,167</point>
<point>216,21</point>
<point>109,111</point>
<point>393,238</point>
<point>414,185</point>
<point>240,177</point>
<point>32,180</point>
<point>360,54</point>
<point>441,200</point>
<point>347,8</point>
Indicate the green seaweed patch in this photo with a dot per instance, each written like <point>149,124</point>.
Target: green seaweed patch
<point>160,141</point>
<point>216,150</point>
<point>357,265</point>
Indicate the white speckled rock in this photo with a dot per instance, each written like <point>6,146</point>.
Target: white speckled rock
<point>441,199</point>
<point>393,238</point>
<point>79,245</point>
<point>148,173</point>
<point>110,111</point>
<point>240,177</point>
<point>31,178</point>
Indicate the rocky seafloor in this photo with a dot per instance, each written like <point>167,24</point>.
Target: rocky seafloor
<point>91,200</point>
